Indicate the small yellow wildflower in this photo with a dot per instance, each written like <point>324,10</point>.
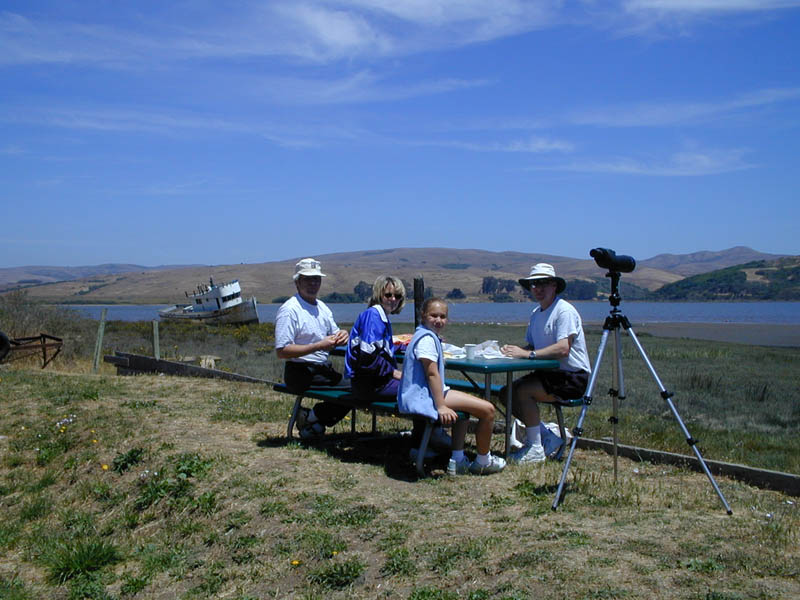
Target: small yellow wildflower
<point>334,553</point>
<point>105,467</point>
<point>295,563</point>
<point>63,429</point>
<point>94,441</point>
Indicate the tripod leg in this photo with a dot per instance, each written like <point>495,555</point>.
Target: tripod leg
<point>617,391</point>
<point>578,431</point>
<point>668,397</point>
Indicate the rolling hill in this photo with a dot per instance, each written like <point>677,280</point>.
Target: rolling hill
<point>442,268</point>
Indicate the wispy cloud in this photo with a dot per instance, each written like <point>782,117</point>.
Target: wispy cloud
<point>313,30</point>
<point>294,134</point>
<point>363,86</point>
<point>536,145</point>
<point>680,164</point>
<point>659,115</point>
<point>319,31</point>
<point>12,150</point>
<point>707,6</point>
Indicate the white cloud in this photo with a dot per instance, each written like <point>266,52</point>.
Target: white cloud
<point>689,163</point>
<point>295,134</point>
<point>531,145</point>
<point>707,6</point>
<point>659,115</point>
<point>362,86</point>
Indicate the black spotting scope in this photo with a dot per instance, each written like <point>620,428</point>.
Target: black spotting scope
<point>608,259</point>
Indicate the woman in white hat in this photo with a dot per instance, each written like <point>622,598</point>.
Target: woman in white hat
<point>555,332</point>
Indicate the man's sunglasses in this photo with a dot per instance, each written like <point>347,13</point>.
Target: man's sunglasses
<point>540,283</point>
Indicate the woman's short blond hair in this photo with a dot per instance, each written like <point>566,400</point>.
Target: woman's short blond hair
<point>380,285</point>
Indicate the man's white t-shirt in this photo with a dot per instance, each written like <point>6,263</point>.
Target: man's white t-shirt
<point>299,322</point>
<point>558,322</point>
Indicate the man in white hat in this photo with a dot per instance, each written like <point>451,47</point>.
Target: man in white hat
<point>555,331</point>
<point>305,333</point>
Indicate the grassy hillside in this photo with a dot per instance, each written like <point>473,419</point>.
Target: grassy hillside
<point>442,269</point>
<point>760,280</point>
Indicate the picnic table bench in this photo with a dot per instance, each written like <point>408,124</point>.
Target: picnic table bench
<point>381,406</point>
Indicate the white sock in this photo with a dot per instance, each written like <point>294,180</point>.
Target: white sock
<point>533,435</point>
<point>457,455</point>
<point>483,459</point>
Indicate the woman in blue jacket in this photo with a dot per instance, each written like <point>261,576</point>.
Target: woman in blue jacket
<point>369,361</point>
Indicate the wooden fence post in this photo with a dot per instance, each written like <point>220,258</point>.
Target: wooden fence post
<point>98,345</point>
<point>419,298</point>
<point>156,346</point>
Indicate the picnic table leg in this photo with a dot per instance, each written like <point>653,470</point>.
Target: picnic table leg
<point>509,414</point>
<point>293,417</point>
<point>353,421</point>
<point>423,446</point>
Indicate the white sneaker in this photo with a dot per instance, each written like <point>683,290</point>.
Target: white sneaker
<point>496,464</point>
<point>461,467</point>
<point>529,453</point>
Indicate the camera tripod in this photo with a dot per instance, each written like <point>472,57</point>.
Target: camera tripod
<point>613,322</point>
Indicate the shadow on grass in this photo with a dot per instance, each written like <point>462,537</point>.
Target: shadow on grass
<point>387,450</point>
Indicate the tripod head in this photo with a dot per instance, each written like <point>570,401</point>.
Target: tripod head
<point>616,265</point>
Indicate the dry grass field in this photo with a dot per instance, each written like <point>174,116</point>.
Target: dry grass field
<point>161,487</point>
<point>156,487</point>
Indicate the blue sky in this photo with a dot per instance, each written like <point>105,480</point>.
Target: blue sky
<point>225,132</point>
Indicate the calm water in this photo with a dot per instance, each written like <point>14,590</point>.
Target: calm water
<point>489,312</point>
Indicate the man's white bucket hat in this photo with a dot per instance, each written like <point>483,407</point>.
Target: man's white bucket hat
<point>543,271</point>
<point>308,267</point>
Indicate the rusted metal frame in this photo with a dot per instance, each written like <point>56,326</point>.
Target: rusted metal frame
<point>33,344</point>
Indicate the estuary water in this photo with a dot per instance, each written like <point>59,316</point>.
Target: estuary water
<point>519,312</point>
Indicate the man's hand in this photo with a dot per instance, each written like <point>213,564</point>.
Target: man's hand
<point>341,337</point>
<point>447,415</point>
<point>512,351</point>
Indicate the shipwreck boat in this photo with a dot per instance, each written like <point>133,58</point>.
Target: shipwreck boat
<point>215,304</point>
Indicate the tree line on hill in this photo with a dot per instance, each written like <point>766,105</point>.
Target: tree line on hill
<point>767,280</point>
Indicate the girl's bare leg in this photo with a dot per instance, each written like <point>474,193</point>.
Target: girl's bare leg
<point>478,408</point>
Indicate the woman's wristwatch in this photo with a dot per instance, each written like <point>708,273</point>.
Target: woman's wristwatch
<point>532,355</point>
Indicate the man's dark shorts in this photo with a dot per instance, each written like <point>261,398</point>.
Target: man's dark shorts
<point>564,384</point>
<point>300,376</point>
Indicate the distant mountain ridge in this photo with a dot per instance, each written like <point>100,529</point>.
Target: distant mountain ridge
<point>46,274</point>
<point>442,268</point>
<point>705,261</point>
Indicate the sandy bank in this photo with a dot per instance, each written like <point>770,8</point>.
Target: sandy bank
<point>760,334</point>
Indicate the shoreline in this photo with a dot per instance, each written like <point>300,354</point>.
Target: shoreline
<point>756,334</point>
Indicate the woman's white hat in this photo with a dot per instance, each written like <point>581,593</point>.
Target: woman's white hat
<point>308,267</point>
<point>543,271</point>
